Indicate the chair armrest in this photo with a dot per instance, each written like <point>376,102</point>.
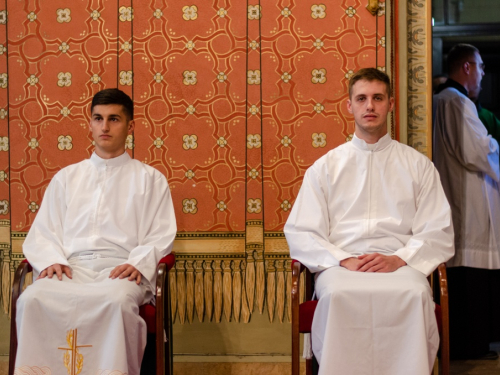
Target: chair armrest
<point>169,260</point>
<point>445,339</point>
<point>17,287</point>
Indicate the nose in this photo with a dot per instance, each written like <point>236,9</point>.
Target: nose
<point>369,103</point>
<point>105,126</point>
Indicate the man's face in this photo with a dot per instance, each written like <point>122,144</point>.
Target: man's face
<point>476,72</point>
<point>370,104</point>
<point>110,126</point>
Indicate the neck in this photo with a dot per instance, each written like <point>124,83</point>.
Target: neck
<point>460,79</point>
<point>369,138</point>
<point>109,155</point>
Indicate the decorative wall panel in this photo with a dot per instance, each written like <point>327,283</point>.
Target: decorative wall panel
<point>234,100</point>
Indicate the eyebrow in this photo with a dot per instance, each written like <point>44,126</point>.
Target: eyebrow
<point>112,115</point>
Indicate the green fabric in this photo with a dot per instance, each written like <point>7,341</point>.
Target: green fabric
<point>491,123</point>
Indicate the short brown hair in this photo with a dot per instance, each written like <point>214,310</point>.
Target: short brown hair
<point>370,75</point>
<point>458,55</point>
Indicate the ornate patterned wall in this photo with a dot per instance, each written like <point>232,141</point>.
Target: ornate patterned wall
<point>234,101</point>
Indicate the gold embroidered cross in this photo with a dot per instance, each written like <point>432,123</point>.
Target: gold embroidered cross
<point>76,365</point>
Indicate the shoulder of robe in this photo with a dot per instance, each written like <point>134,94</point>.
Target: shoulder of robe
<point>149,171</point>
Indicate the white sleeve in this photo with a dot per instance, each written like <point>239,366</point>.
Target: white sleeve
<point>43,246</point>
<point>432,240</point>
<point>467,138</point>
<point>308,227</point>
<point>157,231</point>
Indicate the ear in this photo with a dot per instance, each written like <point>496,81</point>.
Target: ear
<point>131,126</point>
<point>349,105</point>
<point>391,104</point>
<point>466,68</point>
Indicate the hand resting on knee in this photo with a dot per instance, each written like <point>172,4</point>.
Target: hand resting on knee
<point>126,270</point>
<point>58,269</point>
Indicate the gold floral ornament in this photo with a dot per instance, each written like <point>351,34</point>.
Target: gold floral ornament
<point>64,47</point>
<point>381,68</point>
<point>158,77</point>
<point>318,11</point>
<point>4,143</point>
<point>3,49</point>
<point>222,142</point>
<point>95,15</point>
<point>253,45</point>
<point>286,77</point>
<point>65,142</point>
<point>318,107</point>
<point>190,142</point>
<point>4,207</point>
<point>190,109</point>
<point>127,47</point>
<point>222,13</point>
<point>381,9</point>
<point>65,111</point>
<point>157,13</point>
<point>190,45</point>
<point>189,174</point>
<point>32,80</point>
<point>126,14</point>
<point>318,140</point>
<point>33,143</point>
<point>189,77</point>
<point>126,77</point>
<point>3,114</point>
<point>189,206</point>
<point>318,44</point>
<point>3,17</point>
<point>349,74</point>
<point>221,77</point>
<point>254,206</point>
<point>349,138</point>
<point>158,142</point>
<point>3,176</point>
<point>95,79</point>
<point>253,110</point>
<point>286,12</point>
<point>318,76</point>
<point>253,77</point>
<point>254,12</point>
<point>286,205</point>
<point>221,206</point>
<point>382,41</point>
<point>350,12</point>
<point>4,80</point>
<point>253,173</point>
<point>190,12</point>
<point>129,142</point>
<point>286,141</point>
<point>63,15</point>
<point>32,16</point>
<point>64,79</point>
<point>253,141</point>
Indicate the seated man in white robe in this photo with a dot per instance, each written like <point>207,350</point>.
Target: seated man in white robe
<point>372,221</point>
<point>102,228</point>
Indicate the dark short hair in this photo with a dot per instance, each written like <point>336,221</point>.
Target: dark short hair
<point>458,55</point>
<point>114,96</point>
<point>370,75</point>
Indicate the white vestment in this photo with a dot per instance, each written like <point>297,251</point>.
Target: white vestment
<point>467,160</point>
<point>95,215</point>
<point>360,199</point>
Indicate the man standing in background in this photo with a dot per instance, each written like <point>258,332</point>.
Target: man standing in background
<point>467,160</point>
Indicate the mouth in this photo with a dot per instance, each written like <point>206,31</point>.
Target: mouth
<point>370,116</point>
<point>104,136</point>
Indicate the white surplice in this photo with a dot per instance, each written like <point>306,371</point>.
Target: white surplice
<point>95,215</point>
<point>360,199</point>
<point>467,160</point>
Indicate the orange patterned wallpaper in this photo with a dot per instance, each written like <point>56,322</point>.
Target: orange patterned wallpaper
<point>233,101</point>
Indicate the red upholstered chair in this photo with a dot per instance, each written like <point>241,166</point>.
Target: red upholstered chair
<point>302,316</point>
<point>158,320</point>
